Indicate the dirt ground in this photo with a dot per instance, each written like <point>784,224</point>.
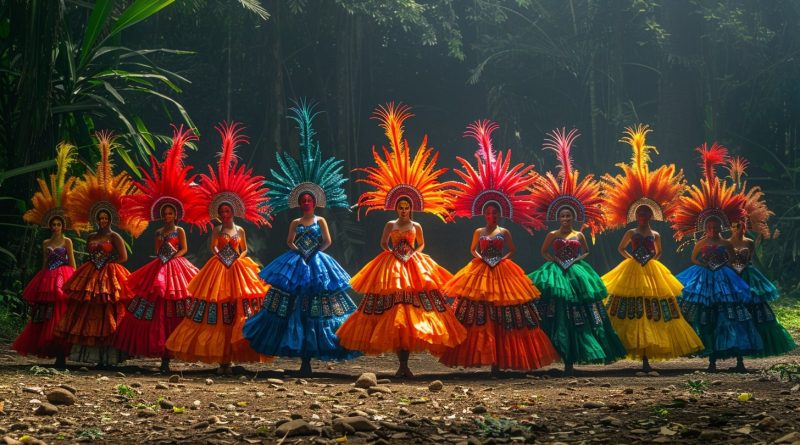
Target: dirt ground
<point>600,404</point>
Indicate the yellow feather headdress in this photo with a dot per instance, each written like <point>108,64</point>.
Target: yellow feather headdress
<point>53,200</point>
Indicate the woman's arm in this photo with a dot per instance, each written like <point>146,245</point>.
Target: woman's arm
<point>387,230</point>
<point>473,247</point>
<point>548,241</point>
<point>70,252</point>
<point>290,236</point>
<point>696,250</point>
<point>119,247</point>
<point>420,238</point>
<point>326,234</point>
<point>158,240</point>
<point>658,245</point>
<point>584,244</point>
<point>510,246</point>
<point>623,244</point>
<point>183,246</point>
<point>44,254</point>
<point>242,242</point>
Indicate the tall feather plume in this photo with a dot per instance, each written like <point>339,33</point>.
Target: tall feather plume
<point>232,136</point>
<point>482,131</point>
<point>106,141</point>
<point>391,119</point>
<point>65,156</point>
<point>710,158</point>
<point>561,142</point>
<point>635,137</point>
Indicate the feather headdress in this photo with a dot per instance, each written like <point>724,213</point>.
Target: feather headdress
<point>53,200</point>
<point>639,186</point>
<point>232,183</point>
<point>398,176</point>
<point>167,184</point>
<point>322,179</point>
<point>553,193</point>
<point>755,208</point>
<point>494,182</point>
<point>101,190</point>
<point>712,199</point>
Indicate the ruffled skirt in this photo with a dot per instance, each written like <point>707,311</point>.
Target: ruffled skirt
<point>573,315</point>
<point>48,303</point>
<point>306,304</point>
<point>403,308</point>
<point>716,303</point>
<point>159,306</point>
<point>222,299</point>
<point>644,312</point>
<point>496,306</point>
<point>774,336</point>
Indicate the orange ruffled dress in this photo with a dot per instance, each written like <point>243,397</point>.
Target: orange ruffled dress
<point>495,301</point>
<point>97,295</point>
<point>403,307</point>
<point>223,297</point>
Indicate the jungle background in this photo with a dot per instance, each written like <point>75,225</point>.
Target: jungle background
<point>696,71</point>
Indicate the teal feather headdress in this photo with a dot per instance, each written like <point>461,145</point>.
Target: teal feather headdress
<point>322,179</point>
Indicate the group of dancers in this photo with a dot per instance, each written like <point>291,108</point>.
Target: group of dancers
<point>490,313</point>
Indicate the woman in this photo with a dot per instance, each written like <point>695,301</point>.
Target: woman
<point>495,299</point>
<point>403,309</point>
<point>714,298</point>
<point>642,302</point>
<point>160,287</point>
<point>572,292</point>
<point>227,289</point>
<point>97,293</point>
<point>307,300</point>
<point>45,291</point>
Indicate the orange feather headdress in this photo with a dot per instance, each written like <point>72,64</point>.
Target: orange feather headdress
<point>398,176</point>
<point>494,182</point>
<point>101,190</point>
<point>712,199</point>
<point>639,186</point>
<point>53,200</point>
<point>553,193</point>
<point>755,208</point>
<point>167,184</point>
<point>232,184</point>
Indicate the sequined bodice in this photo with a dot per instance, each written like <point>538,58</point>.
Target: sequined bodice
<point>171,238</point>
<point>491,249</point>
<point>56,257</point>
<point>741,258</point>
<point>169,245</point>
<point>567,249</point>
<point>228,248</point>
<point>643,248</point>
<point>714,256</point>
<point>307,239</point>
<point>228,240</point>
<point>100,252</point>
<point>403,243</point>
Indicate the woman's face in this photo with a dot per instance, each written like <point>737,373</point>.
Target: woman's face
<point>712,227</point>
<point>103,219</point>
<point>738,228</point>
<point>168,214</point>
<point>56,226</point>
<point>492,214</point>
<point>306,202</point>
<point>403,208</point>
<point>225,213</point>
<point>565,217</point>
<point>643,215</point>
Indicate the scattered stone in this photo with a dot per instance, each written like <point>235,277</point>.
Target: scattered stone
<point>355,423</point>
<point>367,380</point>
<point>767,423</point>
<point>628,390</point>
<point>132,385</point>
<point>480,409</point>
<point>146,413</point>
<point>593,404</point>
<point>162,385</point>
<point>295,416</point>
<point>275,381</point>
<point>612,421</point>
<point>404,411</point>
<point>711,435</point>
<point>209,382</point>
<point>166,404</point>
<point>436,386</point>
<point>200,425</point>
<point>315,405</point>
<point>120,374</point>
<point>379,389</point>
<point>792,437</point>
<point>653,374</point>
<point>297,427</point>
<point>8,440</point>
<point>103,379</point>
<point>60,396</point>
<point>32,389</point>
<point>384,381</point>
<point>196,404</point>
<point>174,378</point>
<point>46,409</point>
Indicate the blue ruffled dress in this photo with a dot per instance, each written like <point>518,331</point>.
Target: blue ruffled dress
<point>306,304</point>
<point>715,301</point>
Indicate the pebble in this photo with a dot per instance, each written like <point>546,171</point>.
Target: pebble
<point>379,389</point>
<point>166,404</point>
<point>146,413</point>
<point>593,404</point>
<point>792,437</point>
<point>196,404</point>
<point>767,423</point>
<point>436,386</point>
<point>275,381</point>
<point>120,374</point>
<point>209,382</point>
<point>32,389</point>
<point>60,396</point>
<point>162,385</point>
<point>46,409</point>
<point>353,424</point>
<point>628,390</point>
<point>297,427</point>
<point>366,380</point>
<point>711,435</point>
<point>174,378</point>
<point>480,409</point>
<point>200,425</point>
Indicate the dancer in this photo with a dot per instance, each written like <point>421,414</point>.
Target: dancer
<point>307,300</point>
<point>642,303</point>
<point>159,287</point>
<point>495,297</point>
<point>403,309</point>
<point>97,292</point>
<point>227,289</point>
<point>774,336</point>
<point>571,303</point>
<point>714,298</point>
<point>45,293</point>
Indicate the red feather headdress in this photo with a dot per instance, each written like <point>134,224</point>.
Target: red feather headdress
<point>101,190</point>
<point>755,208</point>
<point>233,184</point>
<point>552,193</point>
<point>494,182</point>
<point>713,199</point>
<point>167,184</point>
<point>398,176</point>
<point>639,186</point>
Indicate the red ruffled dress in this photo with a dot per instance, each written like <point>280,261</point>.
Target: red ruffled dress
<point>160,290</point>
<point>45,294</point>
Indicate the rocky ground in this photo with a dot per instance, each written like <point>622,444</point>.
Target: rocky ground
<point>270,404</point>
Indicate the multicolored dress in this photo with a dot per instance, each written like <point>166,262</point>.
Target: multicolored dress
<point>715,301</point>
<point>96,297</point>
<point>225,293</point>
<point>160,290</point>
<point>306,303</point>
<point>774,336</point>
<point>571,307</point>
<point>403,307</point>
<point>45,295</point>
<point>495,302</point>
<point>643,308</point>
